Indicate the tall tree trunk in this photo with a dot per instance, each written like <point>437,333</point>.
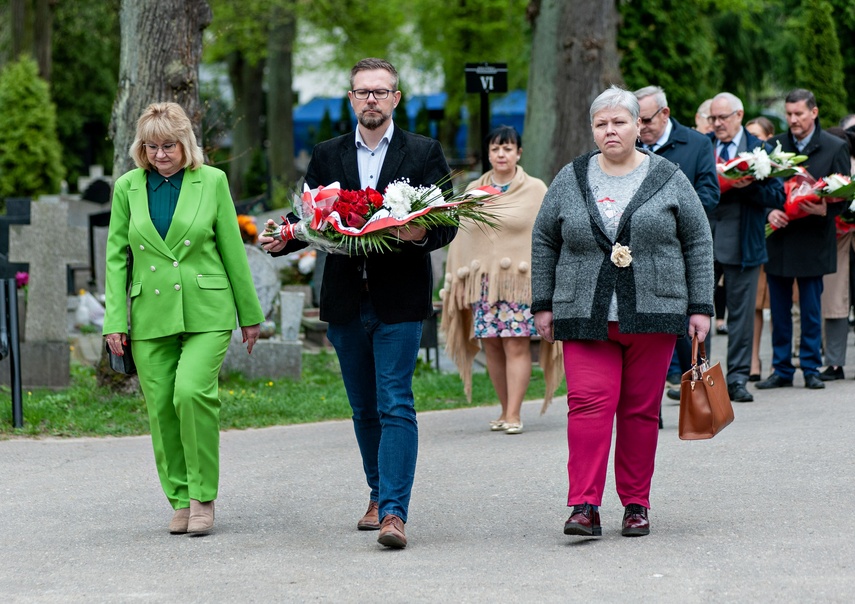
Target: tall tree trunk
<point>280,94</point>
<point>573,59</point>
<point>43,36</point>
<point>159,61</point>
<point>246,80</point>
<point>20,16</point>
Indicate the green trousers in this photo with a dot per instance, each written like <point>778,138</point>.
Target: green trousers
<point>178,376</point>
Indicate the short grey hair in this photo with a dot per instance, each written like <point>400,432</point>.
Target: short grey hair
<point>614,97</point>
<point>732,99</point>
<point>704,108</point>
<point>656,92</point>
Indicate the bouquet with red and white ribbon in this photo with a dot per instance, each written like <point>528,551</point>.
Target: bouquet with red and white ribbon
<point>759,165</point>
<point>803,189</point>
<point>349,222</point>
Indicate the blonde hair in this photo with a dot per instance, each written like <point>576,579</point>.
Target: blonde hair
<point>165,122</point>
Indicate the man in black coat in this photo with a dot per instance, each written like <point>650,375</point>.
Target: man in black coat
<point>375,304</point>
<point>802,250</point>
<point>693,153</point>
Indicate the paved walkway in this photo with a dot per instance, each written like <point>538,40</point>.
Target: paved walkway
<point>761,513</point>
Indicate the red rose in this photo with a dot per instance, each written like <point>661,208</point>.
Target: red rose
<point>355,220</point>
<point>743,166</point>
<point>374,197</point>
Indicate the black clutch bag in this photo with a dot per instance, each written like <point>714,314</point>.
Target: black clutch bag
<point>122,364</point>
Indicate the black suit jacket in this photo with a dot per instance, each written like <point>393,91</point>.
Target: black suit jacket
<point>807,247</point>
<point>400,283</point>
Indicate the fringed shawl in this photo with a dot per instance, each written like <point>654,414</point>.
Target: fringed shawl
<point>504,255</point>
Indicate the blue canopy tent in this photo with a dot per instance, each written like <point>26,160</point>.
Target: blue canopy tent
<point>508,110</point>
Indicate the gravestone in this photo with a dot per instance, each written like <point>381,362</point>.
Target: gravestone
<point>49,245</point>
<point>277,357</point>
<point>265,277</point>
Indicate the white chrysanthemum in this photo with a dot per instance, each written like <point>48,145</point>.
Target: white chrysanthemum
<point>398,199</point>
<point>762,165</point>
<point>433,196</point>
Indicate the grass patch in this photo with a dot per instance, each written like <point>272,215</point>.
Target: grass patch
<point>84,409</point>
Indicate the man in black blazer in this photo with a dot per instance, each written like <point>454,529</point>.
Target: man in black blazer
<point>803,250</point>
<point>375,304</point>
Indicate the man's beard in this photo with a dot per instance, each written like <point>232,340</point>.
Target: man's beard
<point>372,122</point>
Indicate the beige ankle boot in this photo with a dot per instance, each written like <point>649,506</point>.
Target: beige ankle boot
<point>178,524</point>
<point>201,517</point>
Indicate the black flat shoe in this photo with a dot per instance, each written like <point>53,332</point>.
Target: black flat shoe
<point>754,377</point>
<point>832,373</point>
<point>774,381</point>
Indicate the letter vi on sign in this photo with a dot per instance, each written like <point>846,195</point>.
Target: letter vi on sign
<point>486,77</point>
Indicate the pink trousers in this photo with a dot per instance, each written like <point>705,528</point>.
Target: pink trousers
<point>622,377</point>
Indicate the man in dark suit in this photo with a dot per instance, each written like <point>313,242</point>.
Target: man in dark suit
<point>693,152</point>
<point>375,304</point>
<point>803,250</point>
<point>739,240</point>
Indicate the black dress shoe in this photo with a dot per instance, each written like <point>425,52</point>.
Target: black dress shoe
<point>773,381</point>
<point>738,394</point>
<point>813,382</point>
<point>722,330</point>
<point>635,522</point>
<point>585,521</point>
<point>673,394</point>
<point>754,377</point>
<point>832,373</point>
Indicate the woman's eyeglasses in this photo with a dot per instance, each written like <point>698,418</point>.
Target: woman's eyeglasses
<point>165,147</point>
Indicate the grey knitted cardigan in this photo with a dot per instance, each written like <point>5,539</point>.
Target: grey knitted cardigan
<point>667,231</point>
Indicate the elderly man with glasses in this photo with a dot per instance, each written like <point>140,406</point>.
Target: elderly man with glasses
<point>693,153</point>
<point>739,239</point>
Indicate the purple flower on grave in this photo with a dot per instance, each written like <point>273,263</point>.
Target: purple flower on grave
<point>22,279</point>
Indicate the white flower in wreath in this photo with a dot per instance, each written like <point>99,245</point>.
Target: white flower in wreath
<point>621,255</point>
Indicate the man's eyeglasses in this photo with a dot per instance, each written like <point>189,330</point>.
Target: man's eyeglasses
<point>361,94</point>
<point>648,120</point>
<point>165,147</point>
<point>712,119</point>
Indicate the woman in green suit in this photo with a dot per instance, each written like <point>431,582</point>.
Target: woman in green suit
<point>189,278</point>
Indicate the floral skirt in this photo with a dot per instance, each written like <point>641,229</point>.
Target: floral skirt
<point>501,319</point>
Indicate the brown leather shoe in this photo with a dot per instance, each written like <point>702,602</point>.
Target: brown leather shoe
<point>201,517</point>
<point>392,532</point>
<point>584,520</point>
<point>178,524</point>
<point>635,522</point>
<point>369,522</point>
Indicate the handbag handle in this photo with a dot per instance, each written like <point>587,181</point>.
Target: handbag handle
<point>695,346</point>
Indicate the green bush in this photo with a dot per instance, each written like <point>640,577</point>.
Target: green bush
<point>30,162</point>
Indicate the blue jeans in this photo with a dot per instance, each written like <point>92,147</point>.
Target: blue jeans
<point>781,304</point>
<point>377,363</point>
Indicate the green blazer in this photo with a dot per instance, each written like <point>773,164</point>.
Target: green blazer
<point>193,281</point>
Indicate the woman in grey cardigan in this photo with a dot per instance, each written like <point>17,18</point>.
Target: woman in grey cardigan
<point>621,256</point>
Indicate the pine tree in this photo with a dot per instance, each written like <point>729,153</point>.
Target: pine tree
<point>30,157</point>
<point>819,65</point>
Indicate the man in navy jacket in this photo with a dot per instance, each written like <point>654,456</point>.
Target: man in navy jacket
<point>739,237</point>
<point>693,153</point>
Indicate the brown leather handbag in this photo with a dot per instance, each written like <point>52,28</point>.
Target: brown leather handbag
<point>705,407</point>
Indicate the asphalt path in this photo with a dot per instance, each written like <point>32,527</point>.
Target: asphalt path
<point>761,513</point>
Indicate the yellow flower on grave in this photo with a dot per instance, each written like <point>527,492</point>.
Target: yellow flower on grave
<point>269,383</point>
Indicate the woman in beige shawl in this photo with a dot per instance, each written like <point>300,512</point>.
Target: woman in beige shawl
<point>487,291</point>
